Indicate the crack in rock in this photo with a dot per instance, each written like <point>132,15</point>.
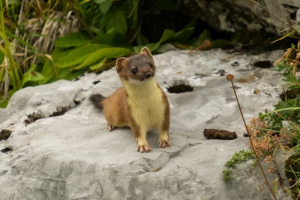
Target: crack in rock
<point>146,165</point>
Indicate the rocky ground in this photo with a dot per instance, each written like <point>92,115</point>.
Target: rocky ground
<point>68,153</point>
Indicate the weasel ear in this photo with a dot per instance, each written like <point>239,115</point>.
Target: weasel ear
<point>147,52</point>
<point>120,64</point>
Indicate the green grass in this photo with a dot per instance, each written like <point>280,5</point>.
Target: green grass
<point>10,67</point>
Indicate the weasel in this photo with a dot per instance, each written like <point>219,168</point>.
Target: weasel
<point>140,104</point>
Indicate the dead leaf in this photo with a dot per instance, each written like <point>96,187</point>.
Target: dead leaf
<point>206,45</point>
<point>155,170</point>
<point>256,91</point>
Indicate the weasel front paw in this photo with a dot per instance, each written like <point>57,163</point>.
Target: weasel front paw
<point>164,143</point>
<point>143,148</point>
<point>110,127</point>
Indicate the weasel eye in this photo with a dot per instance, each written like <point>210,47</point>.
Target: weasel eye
<point>150,64</point>
<point>134,71</point>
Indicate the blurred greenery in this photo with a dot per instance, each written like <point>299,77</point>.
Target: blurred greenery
<point>44,41</point>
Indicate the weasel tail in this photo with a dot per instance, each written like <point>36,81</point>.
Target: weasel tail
<point>140,104</point>
<point>97,99</point>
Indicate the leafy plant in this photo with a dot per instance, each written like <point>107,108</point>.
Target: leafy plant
<point>285,111</point>
<point>288,64</point>
<point>226,175</point>
<point>270,134</point>
<point>32,76</point>
<point>75,53</point>
<point>43,41</point>
<point>237,158</point>
<point>28,31</point>
<point>288,73</point>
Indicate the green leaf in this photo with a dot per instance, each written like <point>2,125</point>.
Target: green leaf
<point>205,35</point>
<point>114,21</point>
<point>141,39</point>
<point>218,43</point>
<point>103,65</point>
<point>112,39</point>
<point>105,6</point>
<point>59,52</point>
<point>48,72</point>
<point>166,4</point>
<point>167,35</point>
<point>2,73</point>
<point>112,52</point>
<point>72,40</point>
<point>99,1</point>
<point>31,76</point>
<point>152,47</point>
<point>183,35</point>
<point>78,55</point>
<point>97,65</point>
<point>2,55</point>
<point>236,37</point>
<point>3,104</point>
<point>65,73</point>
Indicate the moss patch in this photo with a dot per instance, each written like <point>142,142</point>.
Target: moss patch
<point>33,117</point>
<point>60,111</point>
<point>5,150</point>
<point>263,64</point>
<point>5,134</point>
<point>180,87</point>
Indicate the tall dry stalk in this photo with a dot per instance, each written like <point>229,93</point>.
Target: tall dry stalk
<point>230,78</point>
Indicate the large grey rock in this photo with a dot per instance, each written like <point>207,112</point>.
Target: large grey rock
<point>73,156</point>
<point>232,15</point>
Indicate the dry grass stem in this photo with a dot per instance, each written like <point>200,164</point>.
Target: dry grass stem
<point>230,78</point>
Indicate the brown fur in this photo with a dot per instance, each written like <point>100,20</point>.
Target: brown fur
<point>97,99</point>
<point>141,104</point>
<point>115,108</point>
<point>166,122</point>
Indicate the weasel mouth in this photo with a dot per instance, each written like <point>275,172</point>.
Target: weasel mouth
<point>144,78</point>
<point>139,81</point>
<point>146,75</point>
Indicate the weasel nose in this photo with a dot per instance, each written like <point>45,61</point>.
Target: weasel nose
<point>148,74</point>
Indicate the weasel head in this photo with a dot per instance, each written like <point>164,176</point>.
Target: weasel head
<point>136,69</point>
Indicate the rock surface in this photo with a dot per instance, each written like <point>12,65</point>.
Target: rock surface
<point>229,15</point>
<point>73,156</point>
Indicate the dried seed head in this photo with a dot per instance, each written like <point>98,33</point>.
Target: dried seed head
<point>230,77</point>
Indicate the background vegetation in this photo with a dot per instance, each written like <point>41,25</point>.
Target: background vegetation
<point>46,40</point>
<point>43,41</point>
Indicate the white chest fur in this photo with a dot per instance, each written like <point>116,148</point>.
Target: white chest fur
<point>146,102</point>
